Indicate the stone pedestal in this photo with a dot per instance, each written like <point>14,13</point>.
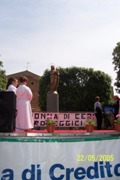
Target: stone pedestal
<point>52,102</point>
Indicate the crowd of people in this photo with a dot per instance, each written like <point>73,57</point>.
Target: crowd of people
<point>111,115</point>
<point>24,119</point>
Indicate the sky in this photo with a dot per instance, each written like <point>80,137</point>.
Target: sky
<point>37,33</point>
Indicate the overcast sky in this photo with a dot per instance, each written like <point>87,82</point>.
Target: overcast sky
<point>66,33</point>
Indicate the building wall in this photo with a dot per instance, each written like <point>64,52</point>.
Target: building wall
<point>33,83</point>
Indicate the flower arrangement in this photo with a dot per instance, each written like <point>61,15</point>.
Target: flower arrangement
<point>90,121</point>
<point>50,125</point>
<point>89,125</point>
<point>50,122</point>
<point>117,121</point>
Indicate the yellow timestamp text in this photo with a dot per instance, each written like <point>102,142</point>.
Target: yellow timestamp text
<point>94,157</point>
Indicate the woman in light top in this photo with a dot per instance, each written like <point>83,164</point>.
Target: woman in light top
<point>24,119</point>
<point>12,84</point>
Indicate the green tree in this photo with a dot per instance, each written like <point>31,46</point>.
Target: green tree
<point>77,88</point>
<point>3,78</point>
<point>116,62</point>
<point>43,89</point>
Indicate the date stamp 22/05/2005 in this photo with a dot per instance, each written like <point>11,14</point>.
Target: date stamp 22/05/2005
<point>94,157</point>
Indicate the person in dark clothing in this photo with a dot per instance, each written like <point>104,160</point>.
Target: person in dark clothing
<point>98,112</point>
<point>116,106</point>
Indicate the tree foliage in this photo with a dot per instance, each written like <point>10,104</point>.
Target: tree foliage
<point>116,62</point>
<point>77,88</point>
<point>3,78</point>
<point>43,90</point>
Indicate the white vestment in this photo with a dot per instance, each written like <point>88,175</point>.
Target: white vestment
<point>12,88</point>
<point>24,119</point>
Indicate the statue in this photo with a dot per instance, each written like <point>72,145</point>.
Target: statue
<point>52,95</point>
<point>54,79</point>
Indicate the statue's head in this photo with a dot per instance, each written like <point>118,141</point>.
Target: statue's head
<point>52,67</point>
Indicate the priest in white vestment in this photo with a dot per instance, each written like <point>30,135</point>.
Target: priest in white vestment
<point>24,119</point>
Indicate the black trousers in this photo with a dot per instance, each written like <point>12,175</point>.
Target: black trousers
<point>99,120</point>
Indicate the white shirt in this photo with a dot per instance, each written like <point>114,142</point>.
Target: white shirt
<point>97,104</point>
<point>12,88</point>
